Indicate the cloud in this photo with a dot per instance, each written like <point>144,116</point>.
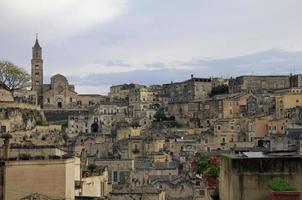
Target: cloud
<point>269,62</point>
<point>54,19</point>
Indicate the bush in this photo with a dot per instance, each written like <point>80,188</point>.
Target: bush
<point>220,89</point>
<point>92,167</point>
<point>212,170</point>
<point>160,115</point>
<point>281,185</point>
<point>202,163</point>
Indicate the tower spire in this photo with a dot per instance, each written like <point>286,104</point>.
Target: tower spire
<point>37,45</point>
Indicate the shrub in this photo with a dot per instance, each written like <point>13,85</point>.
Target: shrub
<point>160,115</point>
<point>281,185</point>
<point>92,167</point>
<point>202,163</point>
<point>212,170</point>
<point>220,89</point>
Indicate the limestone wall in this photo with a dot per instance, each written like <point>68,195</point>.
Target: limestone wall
<point>54,178</point>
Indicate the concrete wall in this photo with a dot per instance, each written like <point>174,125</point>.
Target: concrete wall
<point>54,178</point>
<point>243,178</point>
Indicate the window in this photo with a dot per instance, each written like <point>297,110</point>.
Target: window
<point>218,127</point>
<point>3,129</point>
<point>70,100</point>
<point>48,100</point>
<point>115,176</point>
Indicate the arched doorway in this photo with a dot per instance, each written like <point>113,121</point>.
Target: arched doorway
<point>94,127</point>
<point>59,103</point>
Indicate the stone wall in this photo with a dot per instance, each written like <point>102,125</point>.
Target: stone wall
<point>243,178</point>
<point>17,118</point>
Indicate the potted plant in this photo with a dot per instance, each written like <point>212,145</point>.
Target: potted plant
<point>211,173</point>
<point>282,190</point>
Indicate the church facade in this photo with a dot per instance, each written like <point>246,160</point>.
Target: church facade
<point>59,94</point>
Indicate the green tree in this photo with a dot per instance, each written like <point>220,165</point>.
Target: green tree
<point>13,76</point>
<point>160,115</point>
<point>92,167</point>
<point>220,89</point>
<point>202,164</point>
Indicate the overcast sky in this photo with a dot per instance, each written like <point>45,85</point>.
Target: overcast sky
<point>97,43</point>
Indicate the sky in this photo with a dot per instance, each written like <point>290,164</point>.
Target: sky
<point>99,43</point>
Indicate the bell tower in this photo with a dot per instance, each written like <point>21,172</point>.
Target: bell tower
<point>37,71</point>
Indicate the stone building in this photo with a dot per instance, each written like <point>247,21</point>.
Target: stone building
<point>141,99</point>
<point>258,84</point>
<point>54,178</point>
<point>192,89</point>
<point>287,99</point>
<point>246,178</point>
<point>120,171</point>
<point>95,184</point>
<point>121,92</point>
<point>226,132</point>
<point>59,93</point>
<point>296,80</point>
<point>37,71</point>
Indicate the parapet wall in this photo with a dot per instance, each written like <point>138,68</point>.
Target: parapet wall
<point>244,178</point>
<point>19,105</point>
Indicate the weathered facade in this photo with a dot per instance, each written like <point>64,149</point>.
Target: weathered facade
<point>246,178</point>
<point>258,84</point>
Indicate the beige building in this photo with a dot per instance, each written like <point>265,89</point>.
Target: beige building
<point>258,83</point>
<point>121,92</point>
<point>120,171</point>
<point>192,89</point>
<point>59,93</point>
<point>52,178</point>
<point>287,100</point>
<point>95,184</point>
